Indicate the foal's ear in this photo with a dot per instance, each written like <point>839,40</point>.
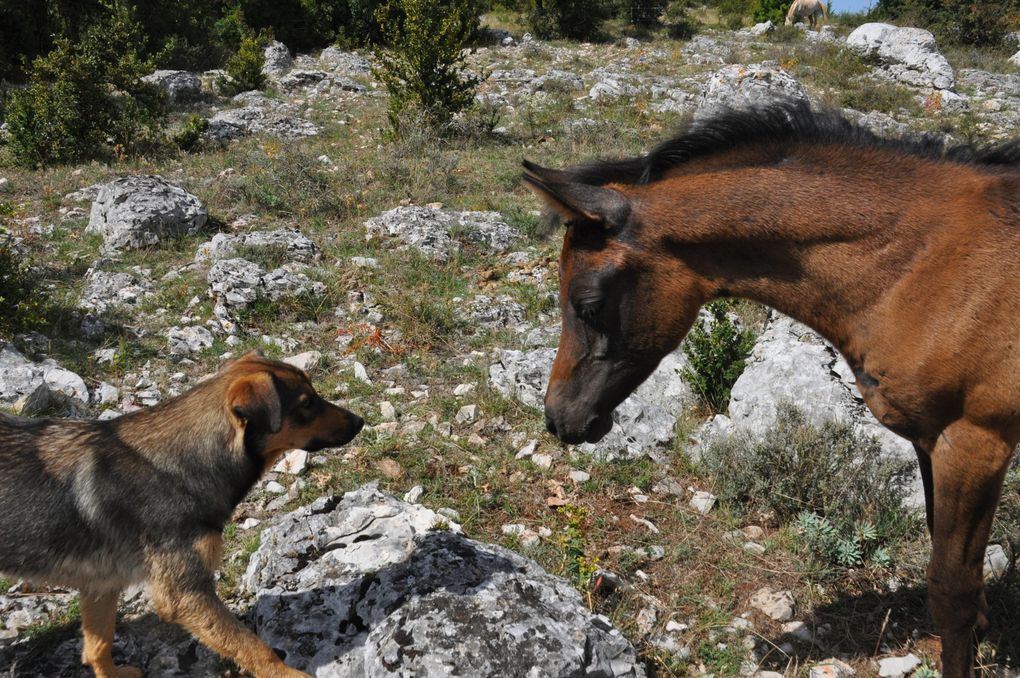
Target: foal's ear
<point>575,201</point>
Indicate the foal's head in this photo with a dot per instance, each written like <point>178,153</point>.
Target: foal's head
<point>625,304</point>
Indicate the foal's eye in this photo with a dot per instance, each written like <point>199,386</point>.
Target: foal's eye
<point>588,309</point>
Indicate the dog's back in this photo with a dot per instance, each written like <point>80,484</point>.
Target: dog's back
<point>55,524</point>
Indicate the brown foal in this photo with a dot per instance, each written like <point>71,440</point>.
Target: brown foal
<point>904,254</point>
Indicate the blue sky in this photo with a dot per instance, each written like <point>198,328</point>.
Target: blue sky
<point>851,5</point>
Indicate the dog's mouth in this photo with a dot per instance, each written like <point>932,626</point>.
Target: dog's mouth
<point>341,436</point>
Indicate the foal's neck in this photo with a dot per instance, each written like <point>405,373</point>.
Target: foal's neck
<point>818,239</point>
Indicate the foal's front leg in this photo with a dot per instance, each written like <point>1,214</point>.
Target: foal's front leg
<point>968,466</point>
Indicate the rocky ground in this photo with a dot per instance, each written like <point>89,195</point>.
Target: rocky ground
<point>415,281</point>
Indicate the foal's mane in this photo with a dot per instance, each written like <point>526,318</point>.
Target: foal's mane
<point>780,124</point>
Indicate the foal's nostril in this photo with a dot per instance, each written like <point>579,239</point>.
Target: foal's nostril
<point>550,425</point>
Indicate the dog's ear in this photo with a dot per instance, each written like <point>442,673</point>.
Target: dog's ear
<point>254,398</point>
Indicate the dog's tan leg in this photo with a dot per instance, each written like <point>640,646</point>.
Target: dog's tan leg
<point>183,591</point>
<point>98,617</point>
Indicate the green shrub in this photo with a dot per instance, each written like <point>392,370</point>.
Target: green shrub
<point>732,13</point>
<point>956,22</point>
<point>643,13</point>
<point>189,137</point>
<point>85,100</point>
<point>678,21</point>
<point>423,68</point>
<point>716,352</point>
<point>244,67</point>
<point>769,10</point>
<point>22,302</point>
<point>574,19</point>
<point>847,496</point>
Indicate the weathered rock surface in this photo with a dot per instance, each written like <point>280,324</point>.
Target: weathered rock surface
<point>791,363</point>
<point>341,61</point>
<point>438,233</point>
<point>290,243</point>
<point>277,58</point>
<point>237,283</point>
<point>743,86</point>
<point>643,423</point>
<point>364,585</point>
<point>20,377</point>
<point>140,211</point>
<point>908,54</point>
<point>105,290</point>
<point>236,122</point>
<point>178,85</point>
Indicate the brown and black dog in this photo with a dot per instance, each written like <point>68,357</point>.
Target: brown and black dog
<point>99,505</point>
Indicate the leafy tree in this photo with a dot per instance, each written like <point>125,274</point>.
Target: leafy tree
<point>575,19</point>
<point>85,100</point>
<point>423,68</point>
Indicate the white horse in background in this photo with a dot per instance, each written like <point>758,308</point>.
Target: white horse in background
<point>809,9</point>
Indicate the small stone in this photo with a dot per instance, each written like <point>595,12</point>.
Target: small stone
<point>450,514</point>
<point>754,547</point>
<point>799,630</point>
<point>413,495</point>
<point>249,523</point>
<point>579,476</point>
<point>996,562</point>
<point>668,486</point>
<point>703,502</point>
<point>305,361</point>
<point>467,414</point>
<point>775,604</point>
<point>390,468</point>
<point>513,529</point>
<point>897,667</point>
<point>530,539</point>
<point>645,523</point>
<point>543,461</point>
<point>274,487</point>
<point>463,389</point>
<point>527,450</point>
<point>361,373</point>
<point>476,440</point>
<point>646,618</point>
<point>676,627</point>
<point>387,411</point>
<point>753,532</point>
<point>365,262</point>
<point>830,668</point>
<point>294,462</point>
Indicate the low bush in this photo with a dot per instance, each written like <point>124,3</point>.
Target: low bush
<point>22,301</point>
<point>716,352</point>
<point>770,10</point>
<point>573,19</point>
<point>835,482</point>
<point>678,21</point>
<point>244,67</point>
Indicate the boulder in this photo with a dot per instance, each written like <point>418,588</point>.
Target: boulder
<point>908,54</point>
<point>236,122</point>
<point>1015,59</point>
<point>178,85</point>
<point>643,424</point>
<point>237,283</point>
<point>277,58</point>
<point>368,585</point>
<point>792,363</point>
<point>105,290</point>
<point>20,377</point>
<point>290,243</point>
<point>140,211</point>
<point>188,340</point>
<point>744,86</point>
<point>437,233</point>
<point>347,63</point>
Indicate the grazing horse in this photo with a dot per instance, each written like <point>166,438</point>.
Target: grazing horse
<point>910,266</point>
<point>809,9</point>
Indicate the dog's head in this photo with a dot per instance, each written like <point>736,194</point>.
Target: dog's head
<point>274,406</point>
